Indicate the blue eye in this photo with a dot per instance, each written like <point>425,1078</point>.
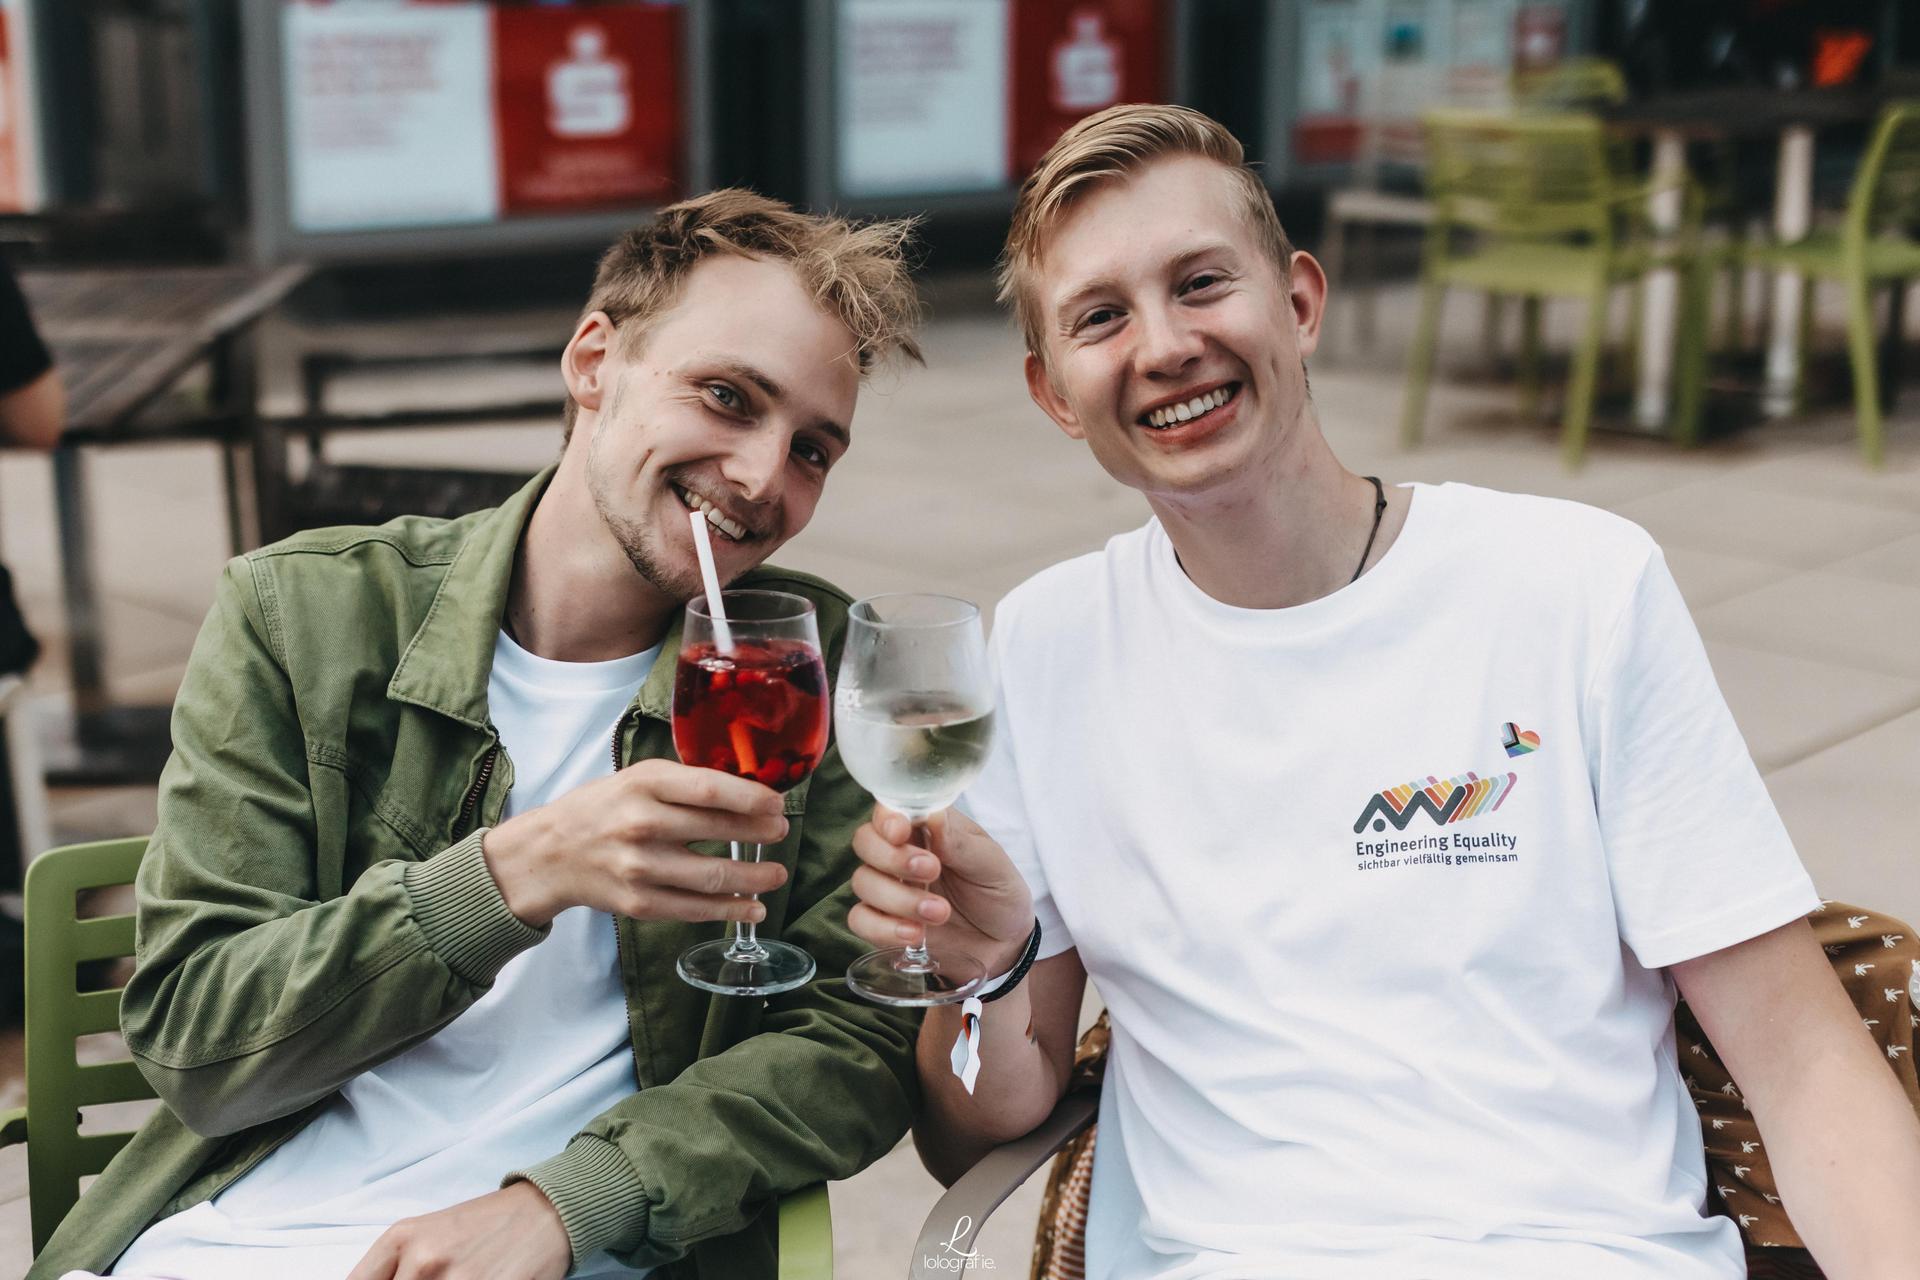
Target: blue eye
<point>727,397</point>
<point>810,453</point>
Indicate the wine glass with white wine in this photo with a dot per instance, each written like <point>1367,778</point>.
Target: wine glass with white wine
<point>913,709</point>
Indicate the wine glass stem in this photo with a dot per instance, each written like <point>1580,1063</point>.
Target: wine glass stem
<point>746,937</point>
<point>917,951</point>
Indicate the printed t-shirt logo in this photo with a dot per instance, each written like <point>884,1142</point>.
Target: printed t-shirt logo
<point>1444,800</point>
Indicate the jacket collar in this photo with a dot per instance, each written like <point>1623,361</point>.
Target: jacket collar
<point>447,664</point>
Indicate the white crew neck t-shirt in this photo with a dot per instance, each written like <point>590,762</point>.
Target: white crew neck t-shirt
<point>502,1087</point>
<point>1378,891</point>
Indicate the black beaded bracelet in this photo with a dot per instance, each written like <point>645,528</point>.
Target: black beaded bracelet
<point>1019,970</point>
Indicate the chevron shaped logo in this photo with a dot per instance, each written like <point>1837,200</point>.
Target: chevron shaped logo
<point>1444,800</point>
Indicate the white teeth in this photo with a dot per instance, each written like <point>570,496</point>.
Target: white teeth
<point>1191,409</point>
<point>733,529</point>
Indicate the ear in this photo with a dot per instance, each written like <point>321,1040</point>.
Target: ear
<point>1047,396</point>
<point>584,365</point>
<point>1309,300</point>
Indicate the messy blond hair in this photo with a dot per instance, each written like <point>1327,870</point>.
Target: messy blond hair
<point>1112,144</point>
<point>856,272</point>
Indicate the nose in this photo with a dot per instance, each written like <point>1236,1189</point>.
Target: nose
<point>756,464</point>
<point>1168,342</point>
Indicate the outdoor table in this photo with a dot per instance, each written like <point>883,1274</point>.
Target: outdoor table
<point>122,337</point>
<point>1673,118</point>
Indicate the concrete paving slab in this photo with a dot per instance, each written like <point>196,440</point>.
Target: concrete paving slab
<point>1897,563</point>
<point>1796,529</point>
<point>1789,708</point>
<point>1707,577</point>
<point>1849,810</point>
<point>1845,621</point>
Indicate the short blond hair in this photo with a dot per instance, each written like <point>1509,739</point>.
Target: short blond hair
<point>1111,144</point>
<point>857,272</point>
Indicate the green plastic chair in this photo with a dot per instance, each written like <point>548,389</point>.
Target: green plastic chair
<point>1874,245</point>
<point>59,1155</point>
<point>1531,206</point>
<point>1575,84</point>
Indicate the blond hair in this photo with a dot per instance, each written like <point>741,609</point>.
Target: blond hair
<point>856,272</point>
<point>1111,144</point>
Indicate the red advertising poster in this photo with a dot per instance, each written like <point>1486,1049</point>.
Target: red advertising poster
<point>587,101</point>
<point>1073,57</point>
<point>13,178</point>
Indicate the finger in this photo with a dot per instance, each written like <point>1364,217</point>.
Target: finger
<point>380,1261</point>
<point>677,825</point>
<point>657,903</point>
<point>893,827</point>
<point>904,902</point>
<point>882,930</point>
<point>707,876</point>
<point>903,862</point>
<point>694,788</point>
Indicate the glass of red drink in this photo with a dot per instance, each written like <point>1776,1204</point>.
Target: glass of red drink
<point>758,710</point>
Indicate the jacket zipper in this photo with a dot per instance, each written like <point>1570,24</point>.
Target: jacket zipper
<point>472,801</point>
<point>620,946</point>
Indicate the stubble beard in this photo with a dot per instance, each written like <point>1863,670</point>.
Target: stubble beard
<point>635,539</point>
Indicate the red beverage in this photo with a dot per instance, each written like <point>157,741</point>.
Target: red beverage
<point>759,712</point>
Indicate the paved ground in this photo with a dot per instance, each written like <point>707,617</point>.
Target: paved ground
<point>1802,569</point>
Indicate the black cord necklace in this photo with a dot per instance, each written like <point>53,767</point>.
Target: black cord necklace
<point>1379,509</point>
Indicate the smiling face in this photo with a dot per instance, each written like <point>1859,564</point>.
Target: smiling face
<point>736,402</point>
<point>1173,345</point>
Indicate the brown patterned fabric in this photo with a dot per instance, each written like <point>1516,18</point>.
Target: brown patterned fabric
<point>1877,959</point>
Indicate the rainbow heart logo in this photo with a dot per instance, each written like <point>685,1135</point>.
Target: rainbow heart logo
<point>1518,741</point>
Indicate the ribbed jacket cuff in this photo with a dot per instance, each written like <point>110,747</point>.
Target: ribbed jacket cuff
<point>600,1200</point>
<point>458,906</point>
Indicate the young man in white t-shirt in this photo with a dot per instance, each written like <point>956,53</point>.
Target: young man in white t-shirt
<point>1387,821</point>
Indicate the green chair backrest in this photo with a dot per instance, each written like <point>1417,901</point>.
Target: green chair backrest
<point>1524,177</point>
<point>1573,85</point>
<point>58,942</point>
<point>1886,189</point>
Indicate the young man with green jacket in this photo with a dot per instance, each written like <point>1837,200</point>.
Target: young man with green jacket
<point>371,840</point>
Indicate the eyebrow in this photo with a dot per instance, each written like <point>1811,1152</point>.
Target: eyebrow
<point>749,373</point>
<point>1063,314</point>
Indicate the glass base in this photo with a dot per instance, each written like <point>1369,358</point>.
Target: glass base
<point>891,977</point>
<point>713,966</point>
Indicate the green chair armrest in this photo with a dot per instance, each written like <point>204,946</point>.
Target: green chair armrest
<point>13,1127</point>
<point>806,1235</point>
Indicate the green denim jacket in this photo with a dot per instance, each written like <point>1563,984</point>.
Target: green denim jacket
<point>315,901</point>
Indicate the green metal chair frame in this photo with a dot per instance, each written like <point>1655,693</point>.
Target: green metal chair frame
<point>1874,245</point>
<point>59,1155</point>
<point>1532,206</point>
<point>1574,84</point>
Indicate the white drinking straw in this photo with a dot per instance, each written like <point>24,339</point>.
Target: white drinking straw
<point>703,549</point>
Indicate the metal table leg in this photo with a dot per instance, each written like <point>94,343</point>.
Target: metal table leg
<point>84,660</point>
<point>1653,396</point>
<point>1792,217</point>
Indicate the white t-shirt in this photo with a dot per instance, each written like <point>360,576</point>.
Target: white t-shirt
<point>502,1087</point>
<point>1378,890</point>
